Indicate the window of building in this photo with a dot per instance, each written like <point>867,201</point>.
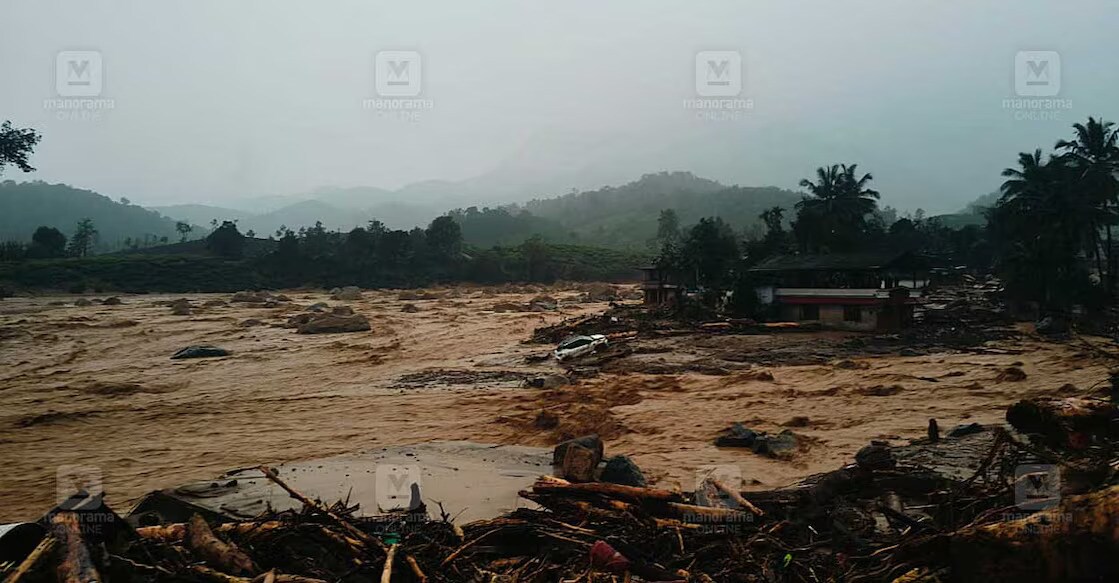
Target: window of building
<point>810,312</point>
<point>852,314</point>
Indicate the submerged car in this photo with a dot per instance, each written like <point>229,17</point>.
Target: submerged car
<point>577,346</point>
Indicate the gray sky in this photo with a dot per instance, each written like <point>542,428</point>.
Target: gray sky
<point>220,100</point>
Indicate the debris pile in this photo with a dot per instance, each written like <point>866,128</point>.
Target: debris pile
<point>974,302</point>
<point>984,506</point>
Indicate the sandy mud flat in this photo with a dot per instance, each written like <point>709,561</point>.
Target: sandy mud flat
<point>94,386</point>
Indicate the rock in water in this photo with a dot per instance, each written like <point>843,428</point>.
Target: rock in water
<point>409,309</point>
<point>180,307</point>
<point>968,429</point>
<point>350,292</point>
<point>621,470</point>
<point>876,456</point>
<point>332,323</point>
<point>82,302</point>
<point>200,351</point>
<point>782,444</point>
<point>737,435</point>
<point>342,311</point>
<point>113,301</point>
<point>591,442</point>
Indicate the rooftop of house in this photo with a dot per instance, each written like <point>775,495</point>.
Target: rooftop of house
<point>872,261</point>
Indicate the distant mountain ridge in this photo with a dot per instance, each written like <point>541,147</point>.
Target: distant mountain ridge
<point>24,206</point>
<point>622,217</point>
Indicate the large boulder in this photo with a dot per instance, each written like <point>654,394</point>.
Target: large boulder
<point>876,456</point>
<point>350,292</point>
<point>621,470</point>
<point>317,323</point>
<point>591,442</point>
<point>200,351</point>
<point>737,435</point>
<point>113,301</point>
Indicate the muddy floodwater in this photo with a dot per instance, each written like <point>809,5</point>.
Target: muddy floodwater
<point>94,386</point>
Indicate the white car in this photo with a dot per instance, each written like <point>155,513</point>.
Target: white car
<point>577,346</point>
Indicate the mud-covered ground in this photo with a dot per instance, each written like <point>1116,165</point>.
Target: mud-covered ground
<point>94,386</point>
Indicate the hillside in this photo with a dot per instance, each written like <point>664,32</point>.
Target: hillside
<point>626,216</point>
<point>27,205</point>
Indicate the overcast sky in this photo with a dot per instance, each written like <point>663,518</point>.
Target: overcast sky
<point>217,100</point>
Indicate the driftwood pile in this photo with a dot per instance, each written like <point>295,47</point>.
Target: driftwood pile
<point>879,519</point>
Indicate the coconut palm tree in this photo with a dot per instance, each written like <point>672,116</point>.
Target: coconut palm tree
<point>1094,158</point>
<point>835,215</point>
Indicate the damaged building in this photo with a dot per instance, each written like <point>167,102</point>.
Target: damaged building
<point>853,291</point>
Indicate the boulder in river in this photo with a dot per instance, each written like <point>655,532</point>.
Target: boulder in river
<point>200,351</point>
<point>332,323</point>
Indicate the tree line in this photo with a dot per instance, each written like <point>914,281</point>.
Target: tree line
<point>1050,233</point>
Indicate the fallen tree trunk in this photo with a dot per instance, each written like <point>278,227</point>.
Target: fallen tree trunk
<point>1077,540</point>
<point>216,552</point>
<point>548,485</point>
<point>75,564</point>
<point>172,533</point>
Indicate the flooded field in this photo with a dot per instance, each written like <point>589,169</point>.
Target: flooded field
<point>95,386</point>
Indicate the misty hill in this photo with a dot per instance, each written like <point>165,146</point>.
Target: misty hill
<point>972,214</point>
<point>626,216</point>
<point>27,205</point>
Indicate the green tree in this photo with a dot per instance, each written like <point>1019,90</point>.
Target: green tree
<point>47,242</point>
<point>184,230</point>
<point>83,239</point>
<point>16,145</point>
<point>834,216</point>
<point>226,241</point>
<point>1094,157</point>
<point>711,249</point>
<point>444,237</point>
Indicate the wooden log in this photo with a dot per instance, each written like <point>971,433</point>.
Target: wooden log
<point>175,532</point>
<point>216,552</point>
<point>548,484</point>
<point>737,497</point>
<point>416,570</point>
<point>75,565</point>
<point>1076,540</point>
<point>386,572</point>
<point>35,562</point>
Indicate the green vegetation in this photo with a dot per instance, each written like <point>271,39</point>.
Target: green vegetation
<point>16,145</point>
<point>1052,227</point>
<point>25,206</point>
